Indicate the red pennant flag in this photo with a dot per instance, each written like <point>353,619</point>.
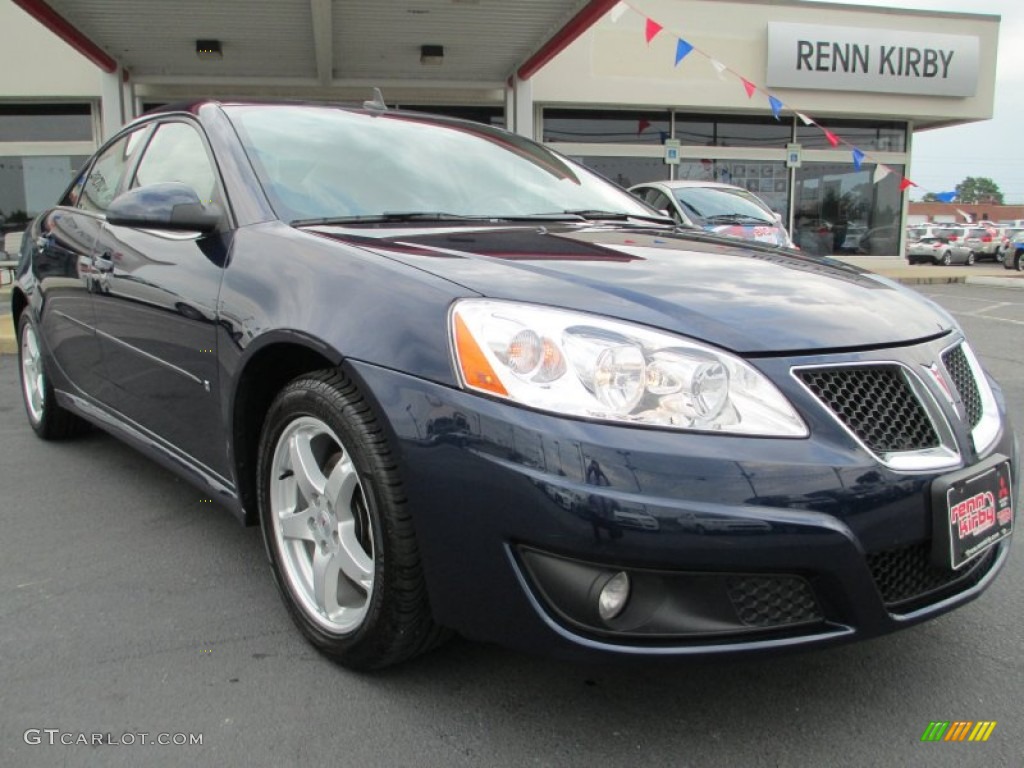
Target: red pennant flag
<point>906,184</point>
<point>749,87</point>
<point>642,125</point>
<point>653,28</point>
<point>832,138</point>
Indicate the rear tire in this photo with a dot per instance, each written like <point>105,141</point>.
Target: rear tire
<point>48,419</point>
<point>337,531</point>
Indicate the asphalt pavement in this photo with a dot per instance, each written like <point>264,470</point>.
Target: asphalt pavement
<point>130,605</point>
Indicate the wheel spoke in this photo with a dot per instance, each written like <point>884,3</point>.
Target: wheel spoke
<point>340,486</point>
<point>355,563</point>
<point>326,568</point>
<point>308,475</point>
<point>295,525</point>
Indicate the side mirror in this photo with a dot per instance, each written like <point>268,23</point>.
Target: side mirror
<point>168,205</point>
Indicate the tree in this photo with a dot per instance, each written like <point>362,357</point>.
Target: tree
<point>979,189</point>
<point>929,197</point>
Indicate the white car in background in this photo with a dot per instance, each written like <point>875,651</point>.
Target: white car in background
<point>723,209</point>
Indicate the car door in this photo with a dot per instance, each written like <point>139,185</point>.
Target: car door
<point>63,267</point>
<point>156,315</point>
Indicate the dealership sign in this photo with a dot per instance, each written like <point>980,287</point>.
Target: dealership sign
<point>874,60</point>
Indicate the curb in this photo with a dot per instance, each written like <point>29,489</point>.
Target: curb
<point>7,342</point>
<point>1000,282</point>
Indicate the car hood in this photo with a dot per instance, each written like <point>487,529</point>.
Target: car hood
<point>741,296</point>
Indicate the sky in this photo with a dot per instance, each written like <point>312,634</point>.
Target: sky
<point>944,157</point>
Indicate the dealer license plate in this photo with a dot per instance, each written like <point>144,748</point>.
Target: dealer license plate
<point>973,510</point>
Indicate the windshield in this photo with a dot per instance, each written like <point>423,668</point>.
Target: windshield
<point>710,205</point>
<point>331,163</point>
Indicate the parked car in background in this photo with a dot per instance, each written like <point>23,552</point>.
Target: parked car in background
<point>466,385</point>
<point>1013,254</point>
<point>816,236</point>
<point>983,241</point>
<point>880,241</point>
<point>724,209</point>
<point>937,247</point>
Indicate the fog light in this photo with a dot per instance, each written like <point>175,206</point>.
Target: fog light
<point>614,596</point>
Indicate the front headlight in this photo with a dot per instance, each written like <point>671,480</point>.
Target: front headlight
<point>581,365</point>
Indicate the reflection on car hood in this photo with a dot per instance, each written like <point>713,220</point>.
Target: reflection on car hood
<point>744,297</point>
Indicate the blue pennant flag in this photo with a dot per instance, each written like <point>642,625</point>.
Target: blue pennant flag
<point>858,158</point>
<point>683,49</point>
<point>776,106</point>
<point>946,197</point>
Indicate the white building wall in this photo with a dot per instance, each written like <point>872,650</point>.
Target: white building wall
<point>612,65</point>
<point>37,65</point>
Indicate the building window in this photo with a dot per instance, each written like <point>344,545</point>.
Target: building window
<point>734,131</point>
<point>481,114</point>
<point>863,134</point>
<point>45,122</point>
<point>30,185</point>
<point>626,171</point>
<point>768,179</point>
<point>591,126</point>
<point>840,210</point>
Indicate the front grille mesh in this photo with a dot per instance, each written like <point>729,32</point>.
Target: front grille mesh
<point>906,574</point>
<point>773,601</point>
<point>963,377</point>
<point>877,404</point>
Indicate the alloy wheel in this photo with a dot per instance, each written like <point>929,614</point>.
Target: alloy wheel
<point>32,377</point>
<point>321,525</point>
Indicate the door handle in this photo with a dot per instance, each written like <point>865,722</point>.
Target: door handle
<point>103,263</point>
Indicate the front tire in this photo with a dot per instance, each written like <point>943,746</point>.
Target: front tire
<point>339,538</point>
<point>46,417</point>
<point>947,259</point>
<point>971,258</point>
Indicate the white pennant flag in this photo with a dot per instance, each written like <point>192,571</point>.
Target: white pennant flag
<point>880,173</point>
<point>719,68</point>
<point>616,13</point>
<point>806,120</point>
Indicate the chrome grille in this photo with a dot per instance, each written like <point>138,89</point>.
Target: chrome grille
<point>963,378</point>
<point>877,404</point>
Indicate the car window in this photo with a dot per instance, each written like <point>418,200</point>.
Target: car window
<point>314,162</point>
<point>105,177</point>
<point>177,153</point>
<point>660,202</point>
<point>711,204</point>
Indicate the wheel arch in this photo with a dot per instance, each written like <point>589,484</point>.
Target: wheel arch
<point>19,301</point>
<point>265,370</point>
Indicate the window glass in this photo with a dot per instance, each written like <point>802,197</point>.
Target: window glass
<point>105,177</point>
<point>319,162</point>
<point>734,132</point>
<point>45,122</point>
<point>863,134</point>
<point>626,171</point>
<point>841,210</point>
<point>30,185</point>
<point>605,126</point>
<point>767,179</point>
<point>177,153</point>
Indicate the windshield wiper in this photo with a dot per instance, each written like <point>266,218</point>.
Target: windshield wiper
<point>596,215</point>
<point>736,218</point>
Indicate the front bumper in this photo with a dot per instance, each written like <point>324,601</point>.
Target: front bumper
<point>755,544</point>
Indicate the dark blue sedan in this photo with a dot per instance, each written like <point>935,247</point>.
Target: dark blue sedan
<point>464,384</point>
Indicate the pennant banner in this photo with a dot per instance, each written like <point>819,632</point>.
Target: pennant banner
<point>946,197</point>
<point>682,49</point>
<point>652,29</point>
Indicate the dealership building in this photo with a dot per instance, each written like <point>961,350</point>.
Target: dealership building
<point>813,106</point>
